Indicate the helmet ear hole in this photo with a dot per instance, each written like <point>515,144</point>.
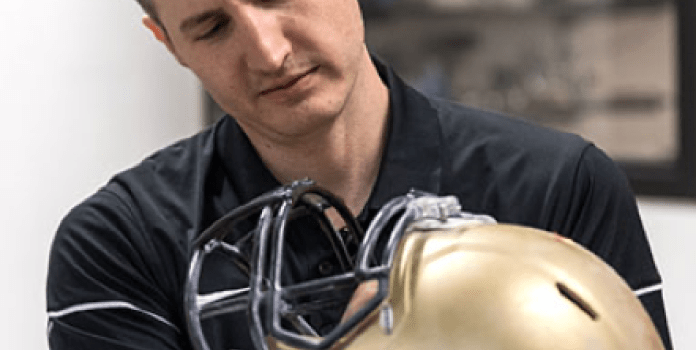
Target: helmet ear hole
<point>577,300</point>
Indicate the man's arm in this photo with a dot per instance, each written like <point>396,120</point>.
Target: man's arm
<point>101,290</point>
<point>603,217</point>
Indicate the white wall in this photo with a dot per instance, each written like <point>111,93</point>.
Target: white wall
<point>85,92</point>
<point>671,227</point>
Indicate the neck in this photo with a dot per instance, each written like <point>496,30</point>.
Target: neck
<point>344,157</point>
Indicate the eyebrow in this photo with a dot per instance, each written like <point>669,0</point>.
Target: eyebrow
<point>193,21</point>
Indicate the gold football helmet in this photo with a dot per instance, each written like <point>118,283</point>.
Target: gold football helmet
<point>446,280</point>
<point>493,287</point>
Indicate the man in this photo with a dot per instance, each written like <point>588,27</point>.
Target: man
<point>306,99</point>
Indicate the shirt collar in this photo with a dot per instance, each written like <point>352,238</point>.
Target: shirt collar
<point>411,158</point>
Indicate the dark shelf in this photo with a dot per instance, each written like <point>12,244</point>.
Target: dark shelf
<point>429,26</point>
<point>551,8</point>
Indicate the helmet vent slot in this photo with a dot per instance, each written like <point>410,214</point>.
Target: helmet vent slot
<point>577,300</point>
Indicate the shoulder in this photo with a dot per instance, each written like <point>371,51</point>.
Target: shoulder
<point>513,169</point>
<point>503,135</point>
<point>174,166</point>
<point>132,230</point>
<point>167,184</point>
<point>145,206</point>
<point>171,174</point>
<point>504,143</point>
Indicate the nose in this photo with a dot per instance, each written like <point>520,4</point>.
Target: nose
<point>264,42</point>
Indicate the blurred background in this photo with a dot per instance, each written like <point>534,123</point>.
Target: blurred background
<point>85,92</point>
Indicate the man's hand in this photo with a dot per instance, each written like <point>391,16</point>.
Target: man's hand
<point>362,295</point>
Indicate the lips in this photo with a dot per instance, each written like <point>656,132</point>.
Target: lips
<point>286,82</point>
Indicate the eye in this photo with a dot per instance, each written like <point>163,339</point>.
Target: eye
<point>217,28</point>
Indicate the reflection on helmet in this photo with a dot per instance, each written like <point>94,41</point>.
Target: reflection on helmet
<point>447,280</point>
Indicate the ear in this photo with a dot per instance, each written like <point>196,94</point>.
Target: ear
<point>161,35</point>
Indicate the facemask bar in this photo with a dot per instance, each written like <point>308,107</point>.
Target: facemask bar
<point>277,208</point>
<point>267,295</point>
<point>416,206</point>
<point>278,294</point>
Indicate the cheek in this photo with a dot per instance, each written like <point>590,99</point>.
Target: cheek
<point>349,29</point>
<point>336,26</point>
<point>221,78</point>
<point>337,44</point>
<point>227,93</point>
<point>348,20</point>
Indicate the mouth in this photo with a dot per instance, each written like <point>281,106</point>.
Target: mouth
<point>287,82</point>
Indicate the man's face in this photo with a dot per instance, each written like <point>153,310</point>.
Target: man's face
<point>280,67</point>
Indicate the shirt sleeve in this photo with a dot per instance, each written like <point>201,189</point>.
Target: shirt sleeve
<point>603,216</point>
<point>102,291</point>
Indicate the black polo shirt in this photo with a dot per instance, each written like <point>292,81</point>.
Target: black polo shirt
<point>119,260</point>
